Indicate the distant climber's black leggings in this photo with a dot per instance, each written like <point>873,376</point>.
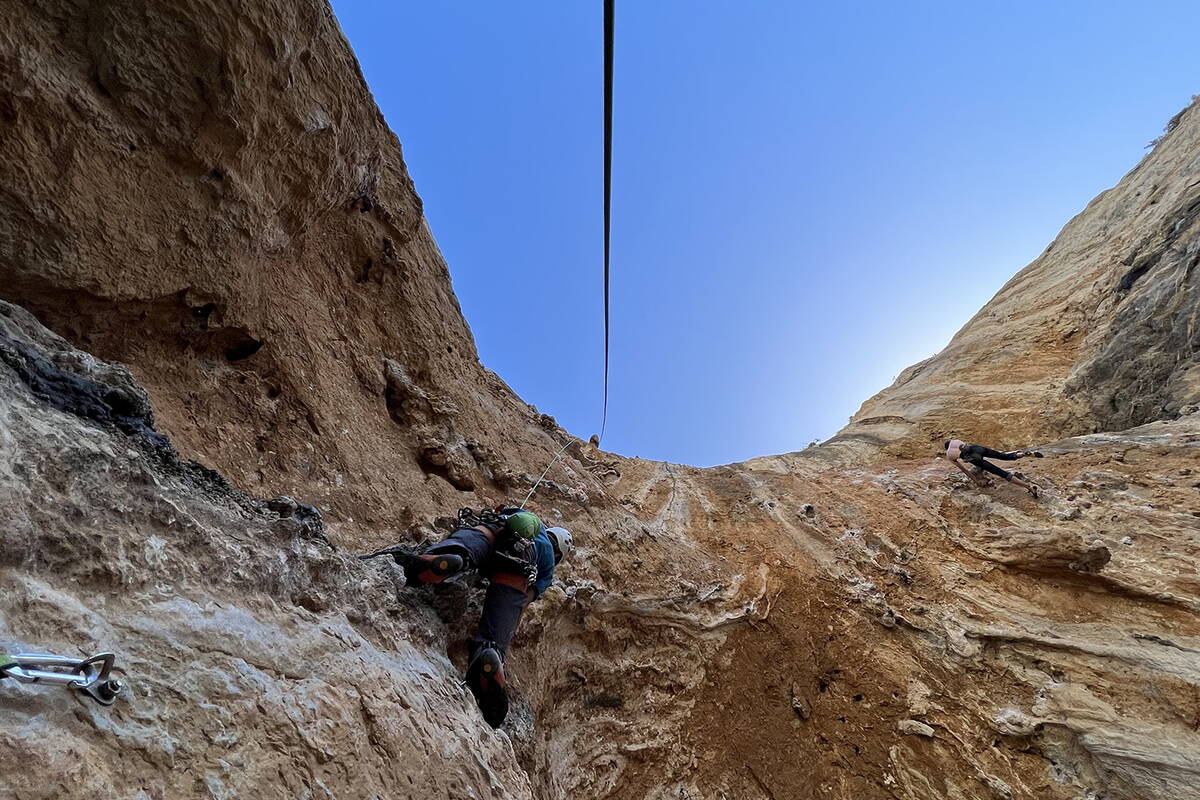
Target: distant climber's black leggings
<point>976,453</point>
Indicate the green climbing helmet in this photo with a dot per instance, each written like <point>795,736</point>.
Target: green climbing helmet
<point>523,524</point>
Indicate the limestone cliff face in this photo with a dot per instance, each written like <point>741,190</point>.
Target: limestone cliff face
<point>205,192</point>
<point>1101,332</point>
<point>244,683</point>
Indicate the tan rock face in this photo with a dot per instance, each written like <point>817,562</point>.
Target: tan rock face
<point>205,191</point>
<point>242,683</point>
<point>1101,332</point>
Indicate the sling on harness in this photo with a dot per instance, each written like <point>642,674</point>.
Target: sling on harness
<point>89,676</point>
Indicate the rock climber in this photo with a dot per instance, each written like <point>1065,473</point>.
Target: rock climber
<point>960,454</point>
<point>518,554</point>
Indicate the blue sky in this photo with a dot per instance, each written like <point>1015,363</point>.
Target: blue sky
<point>801,190</point>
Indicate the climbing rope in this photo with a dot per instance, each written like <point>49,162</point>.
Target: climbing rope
<point>609,9</point>
<point>542,477</point>
<point>608,105</point>
<point>90,676</point>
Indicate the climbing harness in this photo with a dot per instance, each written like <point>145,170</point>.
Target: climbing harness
<point>516,554</point>
<point>608,105</point>
<point>467,518</point>
<point>90,676</point>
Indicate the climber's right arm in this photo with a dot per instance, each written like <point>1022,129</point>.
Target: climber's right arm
<point>963,468</point>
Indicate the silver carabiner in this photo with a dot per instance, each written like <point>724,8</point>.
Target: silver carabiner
<point>90,675</point>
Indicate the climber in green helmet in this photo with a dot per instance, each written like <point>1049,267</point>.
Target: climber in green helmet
<point>518,553</point>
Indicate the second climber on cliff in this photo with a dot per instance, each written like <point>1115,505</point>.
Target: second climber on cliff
<point>961,454</point>
<point>518,554</point>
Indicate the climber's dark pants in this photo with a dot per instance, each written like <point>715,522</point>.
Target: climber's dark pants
<point>473,544</point>
<point>976,453</point>
<point>502,609</point>
<point>504,602</point>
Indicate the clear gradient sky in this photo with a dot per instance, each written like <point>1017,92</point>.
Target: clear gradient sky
<point>807,197</point>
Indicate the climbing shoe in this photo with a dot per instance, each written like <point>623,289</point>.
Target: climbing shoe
<point>485,677</point>
<point>429,567</point>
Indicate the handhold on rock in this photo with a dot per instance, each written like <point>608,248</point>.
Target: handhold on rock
<point>799,705</point>
<point>1046,549</point>
<point>1011,722</point>
<point>1093,559</point>
<point>298,519</point>
<point>912,727</point>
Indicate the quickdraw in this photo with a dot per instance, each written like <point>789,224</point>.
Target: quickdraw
<point>470,518</point>
<point>90,676</point>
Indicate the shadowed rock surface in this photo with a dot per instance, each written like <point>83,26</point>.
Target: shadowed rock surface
<point>205,192</point>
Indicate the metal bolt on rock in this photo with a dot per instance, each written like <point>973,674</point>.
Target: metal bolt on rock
<point>90,676</point>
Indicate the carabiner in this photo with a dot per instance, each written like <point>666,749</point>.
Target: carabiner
<point>91,676</point>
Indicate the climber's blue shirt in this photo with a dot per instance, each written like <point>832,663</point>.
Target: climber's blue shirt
<point>545,562</point>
